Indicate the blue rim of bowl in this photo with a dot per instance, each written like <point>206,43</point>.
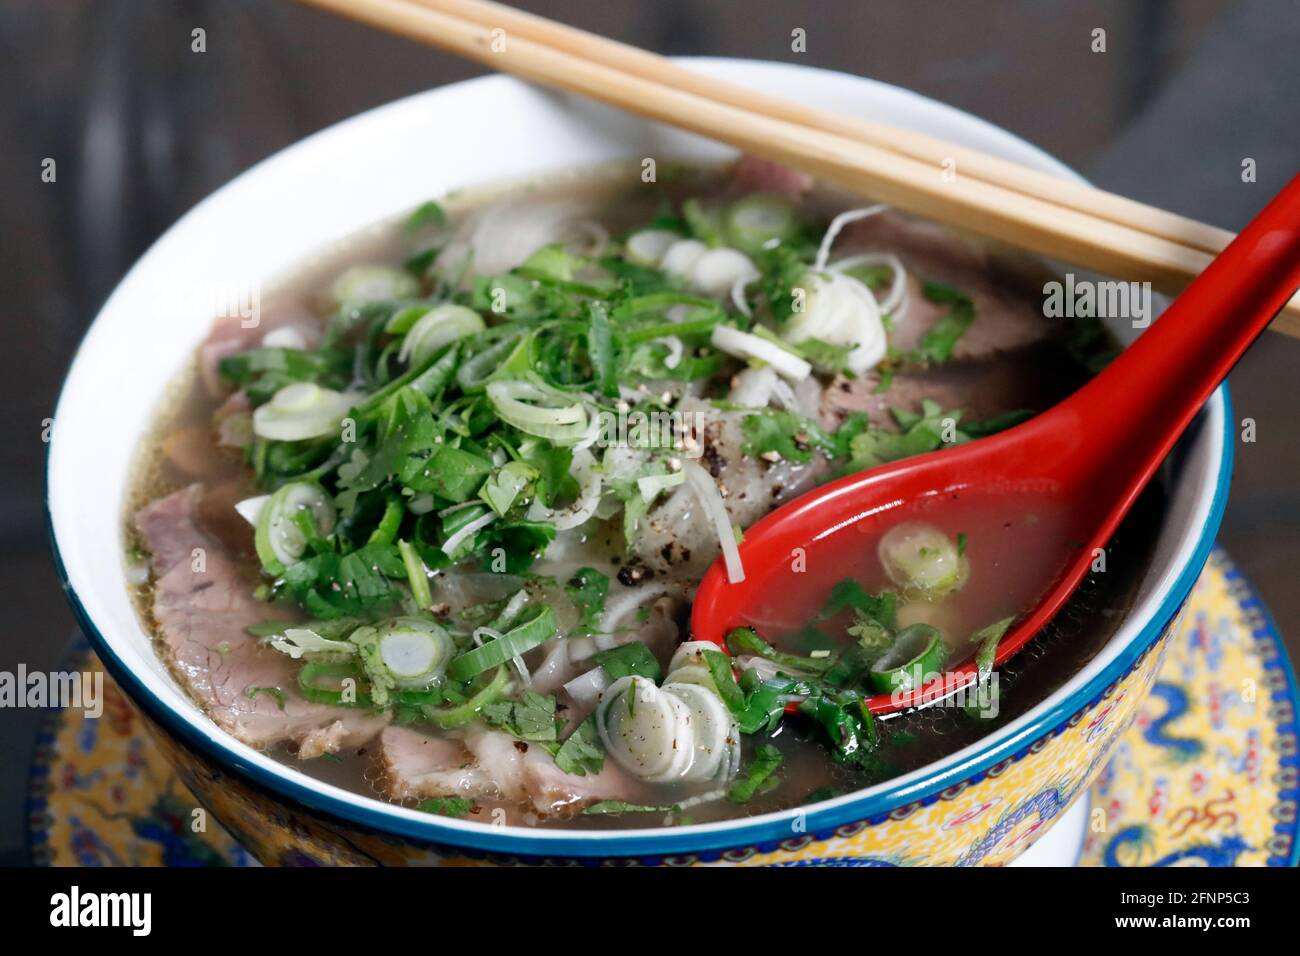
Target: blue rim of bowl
<point>372,814</point>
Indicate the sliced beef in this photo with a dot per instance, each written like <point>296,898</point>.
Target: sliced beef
<point>554,791</point>
<point>1008,313</point>
<point>417,766</point>
<point>230,336</point>
<point>234,421</point>
<point>1032,378</point>
<point>525,773</point>
<point>752,174</point>
<point>490,765</point>
<point>202,605</point>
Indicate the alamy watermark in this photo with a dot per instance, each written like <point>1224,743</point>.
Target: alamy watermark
<point>979,698</point>
<point>1100,299</point>
<point>660,430</point>
<point>65,689</point>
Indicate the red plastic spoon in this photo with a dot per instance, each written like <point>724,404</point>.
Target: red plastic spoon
<point>1090,455</point>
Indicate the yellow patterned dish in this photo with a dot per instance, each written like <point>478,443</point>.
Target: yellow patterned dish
<point>1207,776</point>
<point>1207,784</point>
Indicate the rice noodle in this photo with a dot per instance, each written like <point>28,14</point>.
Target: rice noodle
<point>784,394</point>
<point>711,501</point>
<point>753,387</point>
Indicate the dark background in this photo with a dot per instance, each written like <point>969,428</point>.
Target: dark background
<point>142,128</point>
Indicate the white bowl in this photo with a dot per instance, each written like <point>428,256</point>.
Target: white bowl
<point>384,162</point>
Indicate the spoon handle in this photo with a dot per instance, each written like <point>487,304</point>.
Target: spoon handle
<point>1150,392</point>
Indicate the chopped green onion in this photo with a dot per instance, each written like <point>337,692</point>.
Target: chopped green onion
<point>519,640</point>
<point>278,538</point>
<point>447,718</point>
<point>367,283</point>
<point>539,410</point>
<point>634,658</point>
<point>301,411</point>
<point>766,759</point>
<point>758,220</point>
<point>439,327</point>
<point>917,654</point>
<point>417,575</point>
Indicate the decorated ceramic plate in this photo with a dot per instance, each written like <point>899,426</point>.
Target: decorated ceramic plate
<point>1208,774</point>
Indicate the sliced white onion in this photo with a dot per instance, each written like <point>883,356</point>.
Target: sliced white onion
<point>681,256</point>
<point>675,733</point>
<point>650,737</point>
<point>583,468</point>
<point>747,346</point>
<point>694,674</point>
<point>441,325</point>
<point>592,434</point>
<point>363,283</point>
<point>250,508</point>
<point>301,411</point>
<point>648,246</point>
<point>837,224</point>
<point>840,310</point>
<point>618,607</point>
<point>513,608</point>
<point>784,395</point>
<point>473,528</point>
<point>714,730</point>
<point>586,688</point>
<point>753,387</point>
<point>420,504</point>
<point>718,270</point>
<point>716,510</point>
<point>285,337</point>
<point>766,669</point>
<point>599,237</point>
<point>536,410</point>
<point>738,297</point>
<point>503,235</point>
<point>675,350</point>
<point>689,654</point>
<point>893,303</point>
<point>702,798</point>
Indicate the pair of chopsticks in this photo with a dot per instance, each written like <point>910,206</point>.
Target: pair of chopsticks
<point>917,173</point>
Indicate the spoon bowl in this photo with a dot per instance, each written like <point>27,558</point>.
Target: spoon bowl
<point>1088,457</point>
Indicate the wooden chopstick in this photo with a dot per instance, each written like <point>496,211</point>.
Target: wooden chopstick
<point>926,149</point>
<point>1013,217</point>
